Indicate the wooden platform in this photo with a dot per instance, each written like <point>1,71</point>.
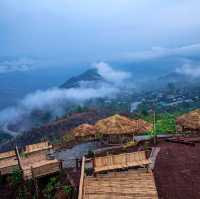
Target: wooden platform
<point>124,160</point>
<point>121,185</point>
<point>41,168</point>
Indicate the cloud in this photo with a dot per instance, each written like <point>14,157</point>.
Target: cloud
<point>110,74</point>
<point>159,52</point>
<point>189,69</point>
<point>57,100</point>
<point>20,64</point>
<point>53,100</point>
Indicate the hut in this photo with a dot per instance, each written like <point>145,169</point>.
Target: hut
<point>143,126</point>
<point>189,122</point>
<point>117,128</point>
<point>84,131</point>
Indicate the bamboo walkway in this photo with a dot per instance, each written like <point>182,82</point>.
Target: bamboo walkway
<point>153,157</point>
<point>121,185</point>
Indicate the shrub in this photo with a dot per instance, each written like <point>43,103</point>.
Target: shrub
<point>16,177</point>
<point>50,189</point>
<point>130,144</point>
<point>67,189</point>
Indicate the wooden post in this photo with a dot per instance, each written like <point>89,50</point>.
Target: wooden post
<point>35,183</point>
<point>60,164</point>
<point>77,164</point>
<point>18,158</point>
<point>154,128</point>
<point>81,184</point>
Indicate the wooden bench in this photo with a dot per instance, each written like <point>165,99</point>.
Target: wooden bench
<point>125,160</point>
<point>8,162</point>
<point>37,147</point>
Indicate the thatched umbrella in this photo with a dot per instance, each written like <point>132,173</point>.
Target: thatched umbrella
<point>84,130</point>
<point>190,120</point>
<point>143,126</point>
<point>116,125</point>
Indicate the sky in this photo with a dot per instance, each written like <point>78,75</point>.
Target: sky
<point>96,30</point>
<point>43,33</point>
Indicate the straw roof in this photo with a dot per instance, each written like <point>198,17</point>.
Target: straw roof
<point>190,120</point>
<point>144,126</point>
<point>84,130</point>
<point>116,124</point>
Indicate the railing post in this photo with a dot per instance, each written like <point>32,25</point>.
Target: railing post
<point>35,183</point>
<point>18,157</point>
<point>80,195</point>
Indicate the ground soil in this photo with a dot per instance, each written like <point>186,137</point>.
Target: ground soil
<point>177,171</point>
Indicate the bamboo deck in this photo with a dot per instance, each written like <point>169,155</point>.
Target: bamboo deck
<point>121,185</point>
<point>34,163</point>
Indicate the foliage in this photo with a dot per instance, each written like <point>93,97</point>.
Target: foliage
<point>165,122</point>
<point>16,177</point>
<point>50,189</point>
<point>130,144</point>
<point>90,154</point>
<point>80,109</point>
<point>67,189</point>
<point>24,155</point>
<point>68,137</point>
<point>98,135</point>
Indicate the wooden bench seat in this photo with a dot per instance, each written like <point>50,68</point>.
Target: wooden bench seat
<point>8,162</point>
<point>121,161</point>
<point>37,147</point>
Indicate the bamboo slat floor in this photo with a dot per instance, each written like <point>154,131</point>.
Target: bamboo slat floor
<point>128,185</point>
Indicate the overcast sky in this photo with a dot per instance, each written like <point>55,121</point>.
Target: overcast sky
<point>89,30</point>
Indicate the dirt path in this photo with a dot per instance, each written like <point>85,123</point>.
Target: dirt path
<point>177,171</point>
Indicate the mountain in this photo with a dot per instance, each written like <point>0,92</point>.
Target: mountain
<point>179,81</point>
<point>89,76</point>
<point>175,77</point>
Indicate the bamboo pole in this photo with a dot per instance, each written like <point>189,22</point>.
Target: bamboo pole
<point>154,128</point>
<point>81,184</point>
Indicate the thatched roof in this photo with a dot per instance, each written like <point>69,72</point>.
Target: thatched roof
<point>84,130</point>
<point>144,126</point>
<point>116,124</point>
<point>190,120</point>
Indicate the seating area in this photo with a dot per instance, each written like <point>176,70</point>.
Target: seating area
<point>35,161</point>
<point>8,162</point>
<point>125,160</point>
<point>118,184</point>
